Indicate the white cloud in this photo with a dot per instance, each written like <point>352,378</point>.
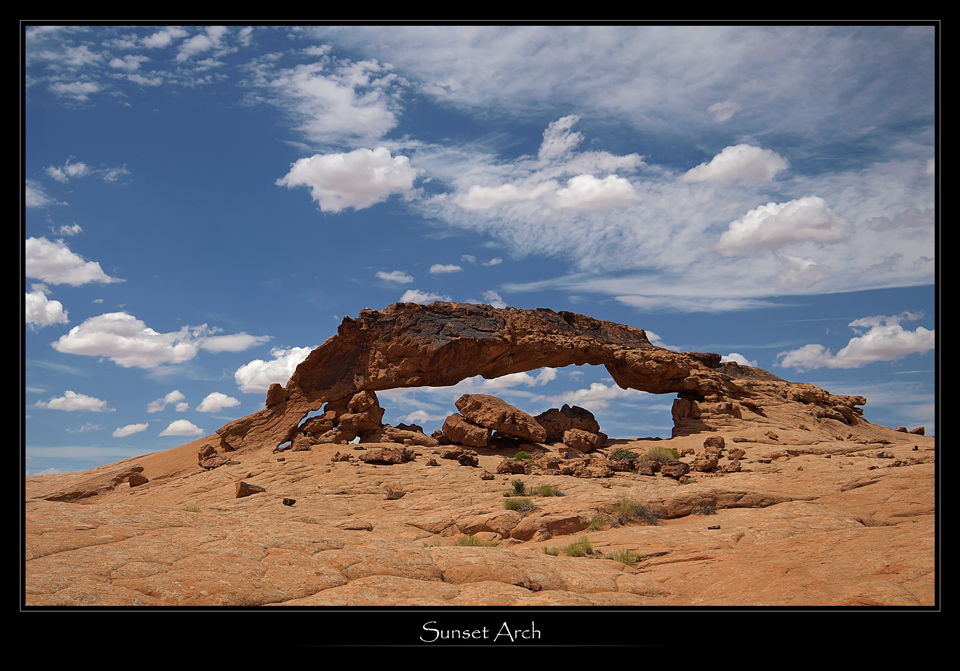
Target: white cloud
<point>67,171</point>
<point>495,261</point>
<point>216,401</point>
<point>70,229</point>
<point>884,340</point>
<point>586,192</point>
<point>41,311</point>
<point>358,179</point>
<point>182,427</point>
<point>53,262</point>
<point>201,42</point>
<point>73,401</point>
<point>802,272</point>
<point>163,38</point>
<point>724,111</point>
<point>417,296</point>
<point>396,276</point>
<point>80,91</point>
<point>777,224</point>
<point>439,268</point>
<point>335,100</point>
<point>740,162</point>
<point>258,375</point>
<point>595,397</point>
<point>34,194</point>
<point>174,397</point>
<point>129,62</point>
<point>236,342</point>
<point>558,140</point>
<point>128,341</point>
<point>129,430</point>
<point>738,358</point>
<point>494,299</point>
<point>486,197</point>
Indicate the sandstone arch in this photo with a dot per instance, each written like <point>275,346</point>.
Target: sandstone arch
<point>411,345</point>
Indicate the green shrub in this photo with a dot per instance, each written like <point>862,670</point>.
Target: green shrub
<point>597,523</point>
<point>519,489</point>
<point>621,454</point>
<point>580,548</point>
<point>628,557</point>
<point>662,454</point>
<point>192,509</point>
<point>521,505</point>
<point>627,509</point>
<point>553,552</point>
<point>522,455</point>
<point>473,541</point>
<point>547,490</point>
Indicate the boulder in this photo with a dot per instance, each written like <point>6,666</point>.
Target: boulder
<point>496,414</point>
<point>582,440</point>
<point>557,421</point>
<point>461,432</point>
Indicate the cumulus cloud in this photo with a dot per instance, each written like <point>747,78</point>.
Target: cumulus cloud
<point>210,39</point>
<point>163,38</point>
<point>740,162</point>
<point>182,427</point>
<point>395,276</point>
<point>129,430</point>
<point>586,192</point>
<point>595,397</point>
<point>258,375</point>
<point>738,358</point>
<point>53,262</point>
<point>358,179</point>
<point>129,342</point>
<point>417,296</point>
<point>41,311</point>
<point>174,397</point>
<point>73,401</point>
<point>883,340</point>
<point>439,268</point>
<point>216,401</point>
<point>236,342</point>
<point>67,171</point>
<point>776,224</point>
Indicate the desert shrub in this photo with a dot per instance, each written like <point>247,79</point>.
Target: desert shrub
<point>628,557</point>
<point>547,490</point>
<point>522,455</point>
<point>597,523</point>
<point>662,454</point>
<point>704,509</point>
<point>192,509</point>
<point>473,541</point>
<point>553,552</point>
<point>580,548</point>
<point>627,509</point>
<point>519,489</point>
<point>621,454</point>
<point>521,505</point>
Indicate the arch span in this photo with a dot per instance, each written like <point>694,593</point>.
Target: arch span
<point>412,345</point>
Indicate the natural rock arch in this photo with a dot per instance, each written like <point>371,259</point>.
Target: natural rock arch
<point>413,345</point>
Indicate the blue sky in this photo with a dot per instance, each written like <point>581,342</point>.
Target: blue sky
<point>204,204</point>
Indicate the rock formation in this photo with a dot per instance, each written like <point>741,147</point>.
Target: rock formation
<point>410,345</point>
